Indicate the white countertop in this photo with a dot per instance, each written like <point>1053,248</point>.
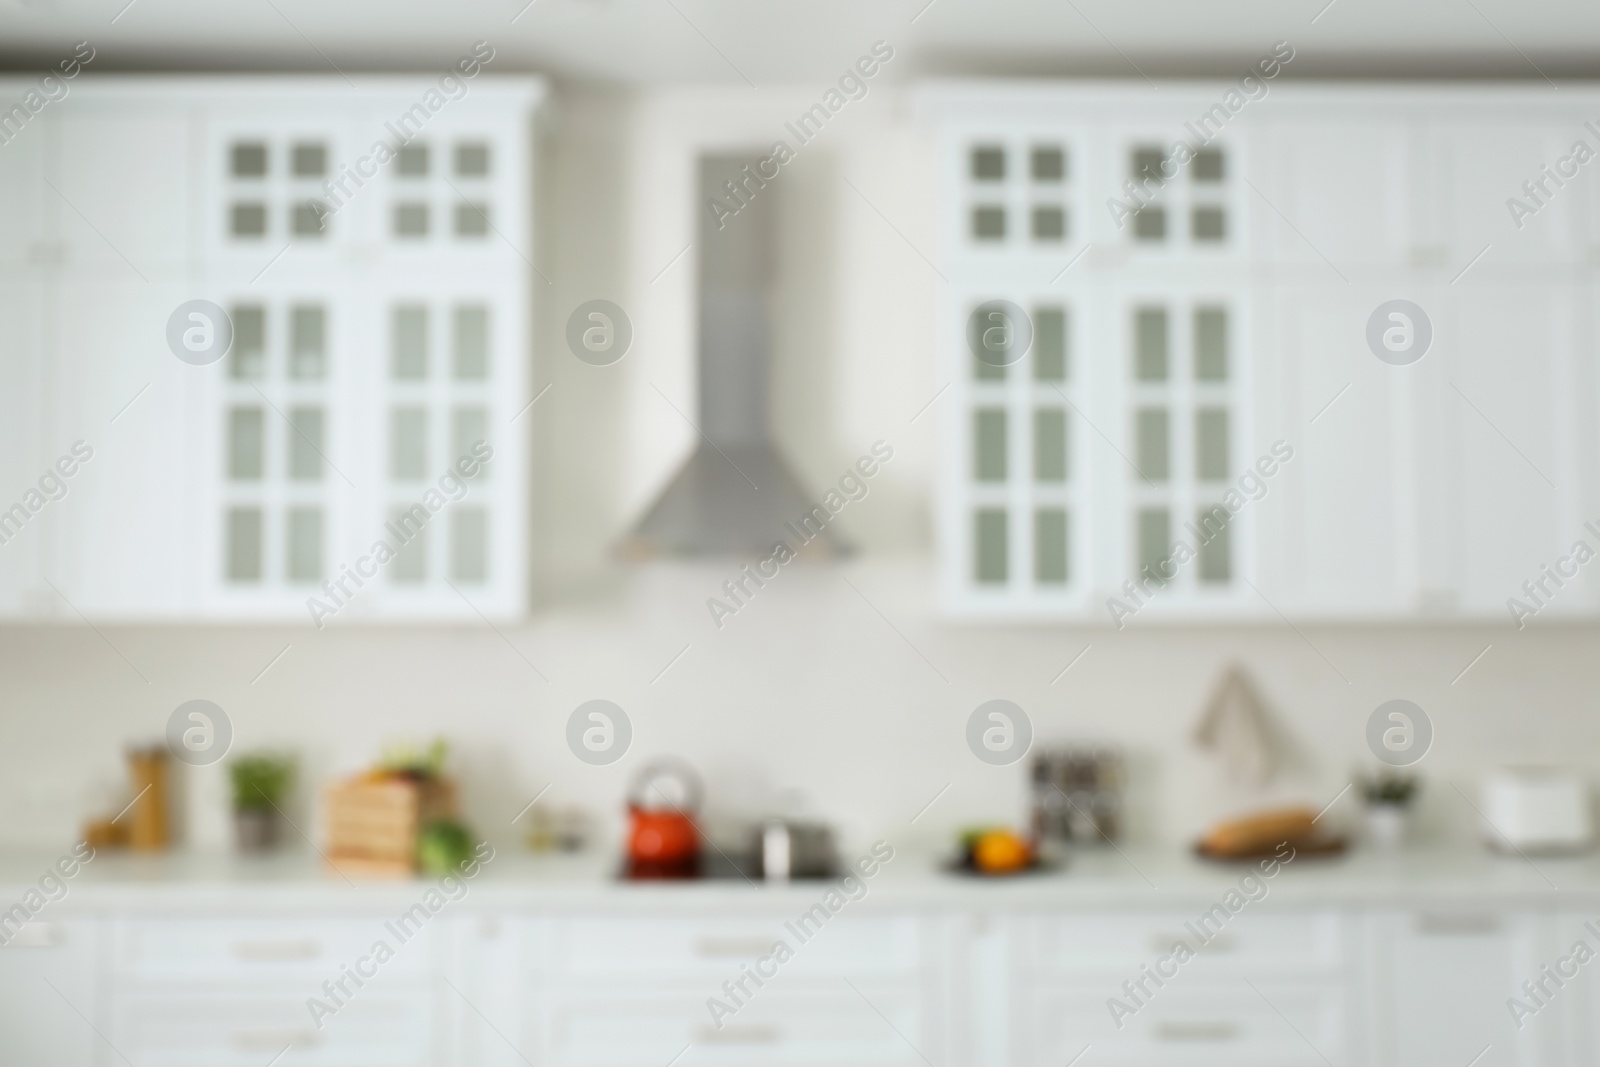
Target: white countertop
<point>1133,878</point>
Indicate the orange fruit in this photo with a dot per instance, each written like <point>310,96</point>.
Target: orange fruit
<point>1001,852</point>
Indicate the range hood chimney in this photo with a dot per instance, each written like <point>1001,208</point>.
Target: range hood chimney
<point>736,493</point>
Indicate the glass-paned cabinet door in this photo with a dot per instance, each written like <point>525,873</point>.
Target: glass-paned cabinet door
<point>1014,531</point>
<point>361,448</point>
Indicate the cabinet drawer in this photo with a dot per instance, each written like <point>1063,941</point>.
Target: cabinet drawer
<point>1271,942</point>
<point>240,1030</point>
<point>1217,1023</point>
<point>776,1026</point>
<point>253,950</point>
<point>663,948</point>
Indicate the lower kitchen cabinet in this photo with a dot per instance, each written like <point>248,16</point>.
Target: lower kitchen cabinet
<point>1267,987</point>
<point>869,1026</point>
<point>249,1027</point>
<point>238,991</point>
<point>49,1004</point>
<point>1198,1024</point>
<point>503,985</point>
<point>1441,979</point>
<point>855,991</point>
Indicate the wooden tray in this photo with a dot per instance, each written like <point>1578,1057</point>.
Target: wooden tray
<point>1322,846</point>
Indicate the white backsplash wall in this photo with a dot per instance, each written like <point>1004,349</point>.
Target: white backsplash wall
<point>856,696</point>
<point>808,688</point>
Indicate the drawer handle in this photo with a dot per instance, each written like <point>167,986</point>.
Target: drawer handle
<point>36,935</point>
<point>1197,1031</point>
<point>272,1040</point>
<point>1220,943</point>
<point>276,951</point>
<point>1446,924</point>
<point>721,948</point>
<point>737,1035</point>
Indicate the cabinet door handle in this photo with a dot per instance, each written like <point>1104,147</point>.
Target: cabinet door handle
<point>1457,924</point>
<point>737,1035</point>
<point>719,948</point>
<point>275,951</point>
<point>1220,943</point>
<point>37,935</point>
<point>272,1040</point>
<point>1198,1030</point>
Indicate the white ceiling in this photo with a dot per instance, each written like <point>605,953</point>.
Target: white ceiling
<point>665,41</point>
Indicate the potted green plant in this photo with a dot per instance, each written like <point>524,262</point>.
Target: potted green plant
<point>1388,795</point>
<point>260,782</point>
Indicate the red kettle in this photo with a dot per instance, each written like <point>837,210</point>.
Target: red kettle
<point>662,840</point>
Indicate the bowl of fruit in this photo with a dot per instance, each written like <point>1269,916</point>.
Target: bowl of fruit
<point>996,852</point>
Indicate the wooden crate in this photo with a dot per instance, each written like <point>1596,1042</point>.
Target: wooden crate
<point>373,825</point>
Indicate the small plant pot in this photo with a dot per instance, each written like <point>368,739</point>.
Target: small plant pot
<point>1386,826</point>
<point>255,830</point>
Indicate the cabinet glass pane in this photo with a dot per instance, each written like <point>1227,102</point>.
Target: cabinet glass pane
<point>304,542</point>
<point>1207,165</point>
<point>1050,445</point>
<point>1211,444</point>
<point>410,563</point>
<point>1152,447</point>
<point>249,159</point>
<point>1050,546</point>
<point>471,342</point>
<point>1155,541</point>
<point>1150,224</point>
<point>308,342</point>
<point>989,223</point>
<point>1211,344</point>
<point>310,160</point>
<point>246,444</point>
<point>1049,164</point>
<point>411,220</point>
<point>989,545</point>
<point>1215,563</point>
<point>305,443</point>
<point>469,545</point>
<point>248,359</point>
<point>308,218</point>
<point>408,444</point>
<point>1150,344</point>
<point>410,357</point>
<point>412,161</point>
<point>1049,344</point>
<point>248,219</point>
<point>989,445</point>
<point>1147,161</point>
<point>472,219</point>
<point>243,548</point>
<point>472,159</point>
<point>988,163</point>
<point>469,425</point>
<point>1209,224</point>
<point>1049,223</point>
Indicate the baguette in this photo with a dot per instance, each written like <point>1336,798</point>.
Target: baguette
<point>1260,832</point>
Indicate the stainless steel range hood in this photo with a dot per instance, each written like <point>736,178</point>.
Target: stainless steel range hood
<point>736,495</point>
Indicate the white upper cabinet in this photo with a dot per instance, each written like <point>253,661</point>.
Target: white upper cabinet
<point>1342,186</point>
<point>357,452</point>
<point>1219,354</point>
<point>1345,498</point>
<point>1503,178</point>
<point>123,176</point>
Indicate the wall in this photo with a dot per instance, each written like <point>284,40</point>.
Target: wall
<point>840,681</point>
